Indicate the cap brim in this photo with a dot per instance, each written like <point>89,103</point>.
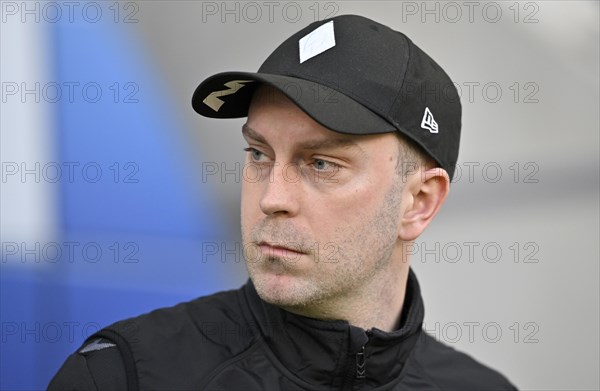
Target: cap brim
<point>228,95</point>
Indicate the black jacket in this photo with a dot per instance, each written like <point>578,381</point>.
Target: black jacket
<point>235,341</point>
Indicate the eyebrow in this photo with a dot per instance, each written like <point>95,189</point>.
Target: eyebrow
<point>326,143</point>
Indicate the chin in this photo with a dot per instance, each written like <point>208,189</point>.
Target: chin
<point>281,290</point>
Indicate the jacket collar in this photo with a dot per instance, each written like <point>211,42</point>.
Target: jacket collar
<point>332,353</point>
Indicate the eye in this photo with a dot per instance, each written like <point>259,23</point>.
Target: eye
<point>324,165</point>
<point>320,164</point>
<point>255,154</point>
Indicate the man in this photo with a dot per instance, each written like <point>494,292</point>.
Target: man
<point>353,135</point>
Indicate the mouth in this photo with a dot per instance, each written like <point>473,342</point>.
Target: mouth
<point>288,253</point>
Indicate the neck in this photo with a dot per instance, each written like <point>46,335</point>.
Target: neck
<point>375,304</point>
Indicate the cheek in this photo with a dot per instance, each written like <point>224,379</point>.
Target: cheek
<point>348,208</point>
<point>249,202</point>
<point>361,195</point>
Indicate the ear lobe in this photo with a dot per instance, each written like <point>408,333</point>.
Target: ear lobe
<point>429,190</point>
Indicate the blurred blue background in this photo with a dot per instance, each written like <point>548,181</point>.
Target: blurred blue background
<point>120,223</point>
<point>116,198</point>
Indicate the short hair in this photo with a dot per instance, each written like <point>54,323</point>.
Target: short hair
<point>411,156</point>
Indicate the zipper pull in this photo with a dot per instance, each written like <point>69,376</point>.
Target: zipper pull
<point>361,364</point>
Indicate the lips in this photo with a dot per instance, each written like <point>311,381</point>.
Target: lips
<point>279,251</point>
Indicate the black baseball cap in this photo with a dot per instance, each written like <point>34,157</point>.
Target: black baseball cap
<point>354,76</point>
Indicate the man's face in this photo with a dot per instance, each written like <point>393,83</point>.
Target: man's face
<point>333,199</point>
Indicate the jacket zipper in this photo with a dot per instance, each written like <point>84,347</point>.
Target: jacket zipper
<point>361,364</point>
<point>361,360</point>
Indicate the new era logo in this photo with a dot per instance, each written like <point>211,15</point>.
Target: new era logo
<point>428,123</point>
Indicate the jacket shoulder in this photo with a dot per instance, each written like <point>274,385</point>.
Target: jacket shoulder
<point>450,369</point>
<point>198,316</point>
<point>97,365</point>
<point>172,347</point>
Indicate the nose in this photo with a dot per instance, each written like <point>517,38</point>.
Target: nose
<point>280,194</point>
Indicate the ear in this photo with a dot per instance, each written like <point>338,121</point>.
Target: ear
<point>425,192</point>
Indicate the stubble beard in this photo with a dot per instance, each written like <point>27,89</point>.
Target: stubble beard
<point>360,268</point>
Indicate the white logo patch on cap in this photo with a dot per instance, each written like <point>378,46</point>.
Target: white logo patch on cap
<point>428,123</point>
<point>316,42</point>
